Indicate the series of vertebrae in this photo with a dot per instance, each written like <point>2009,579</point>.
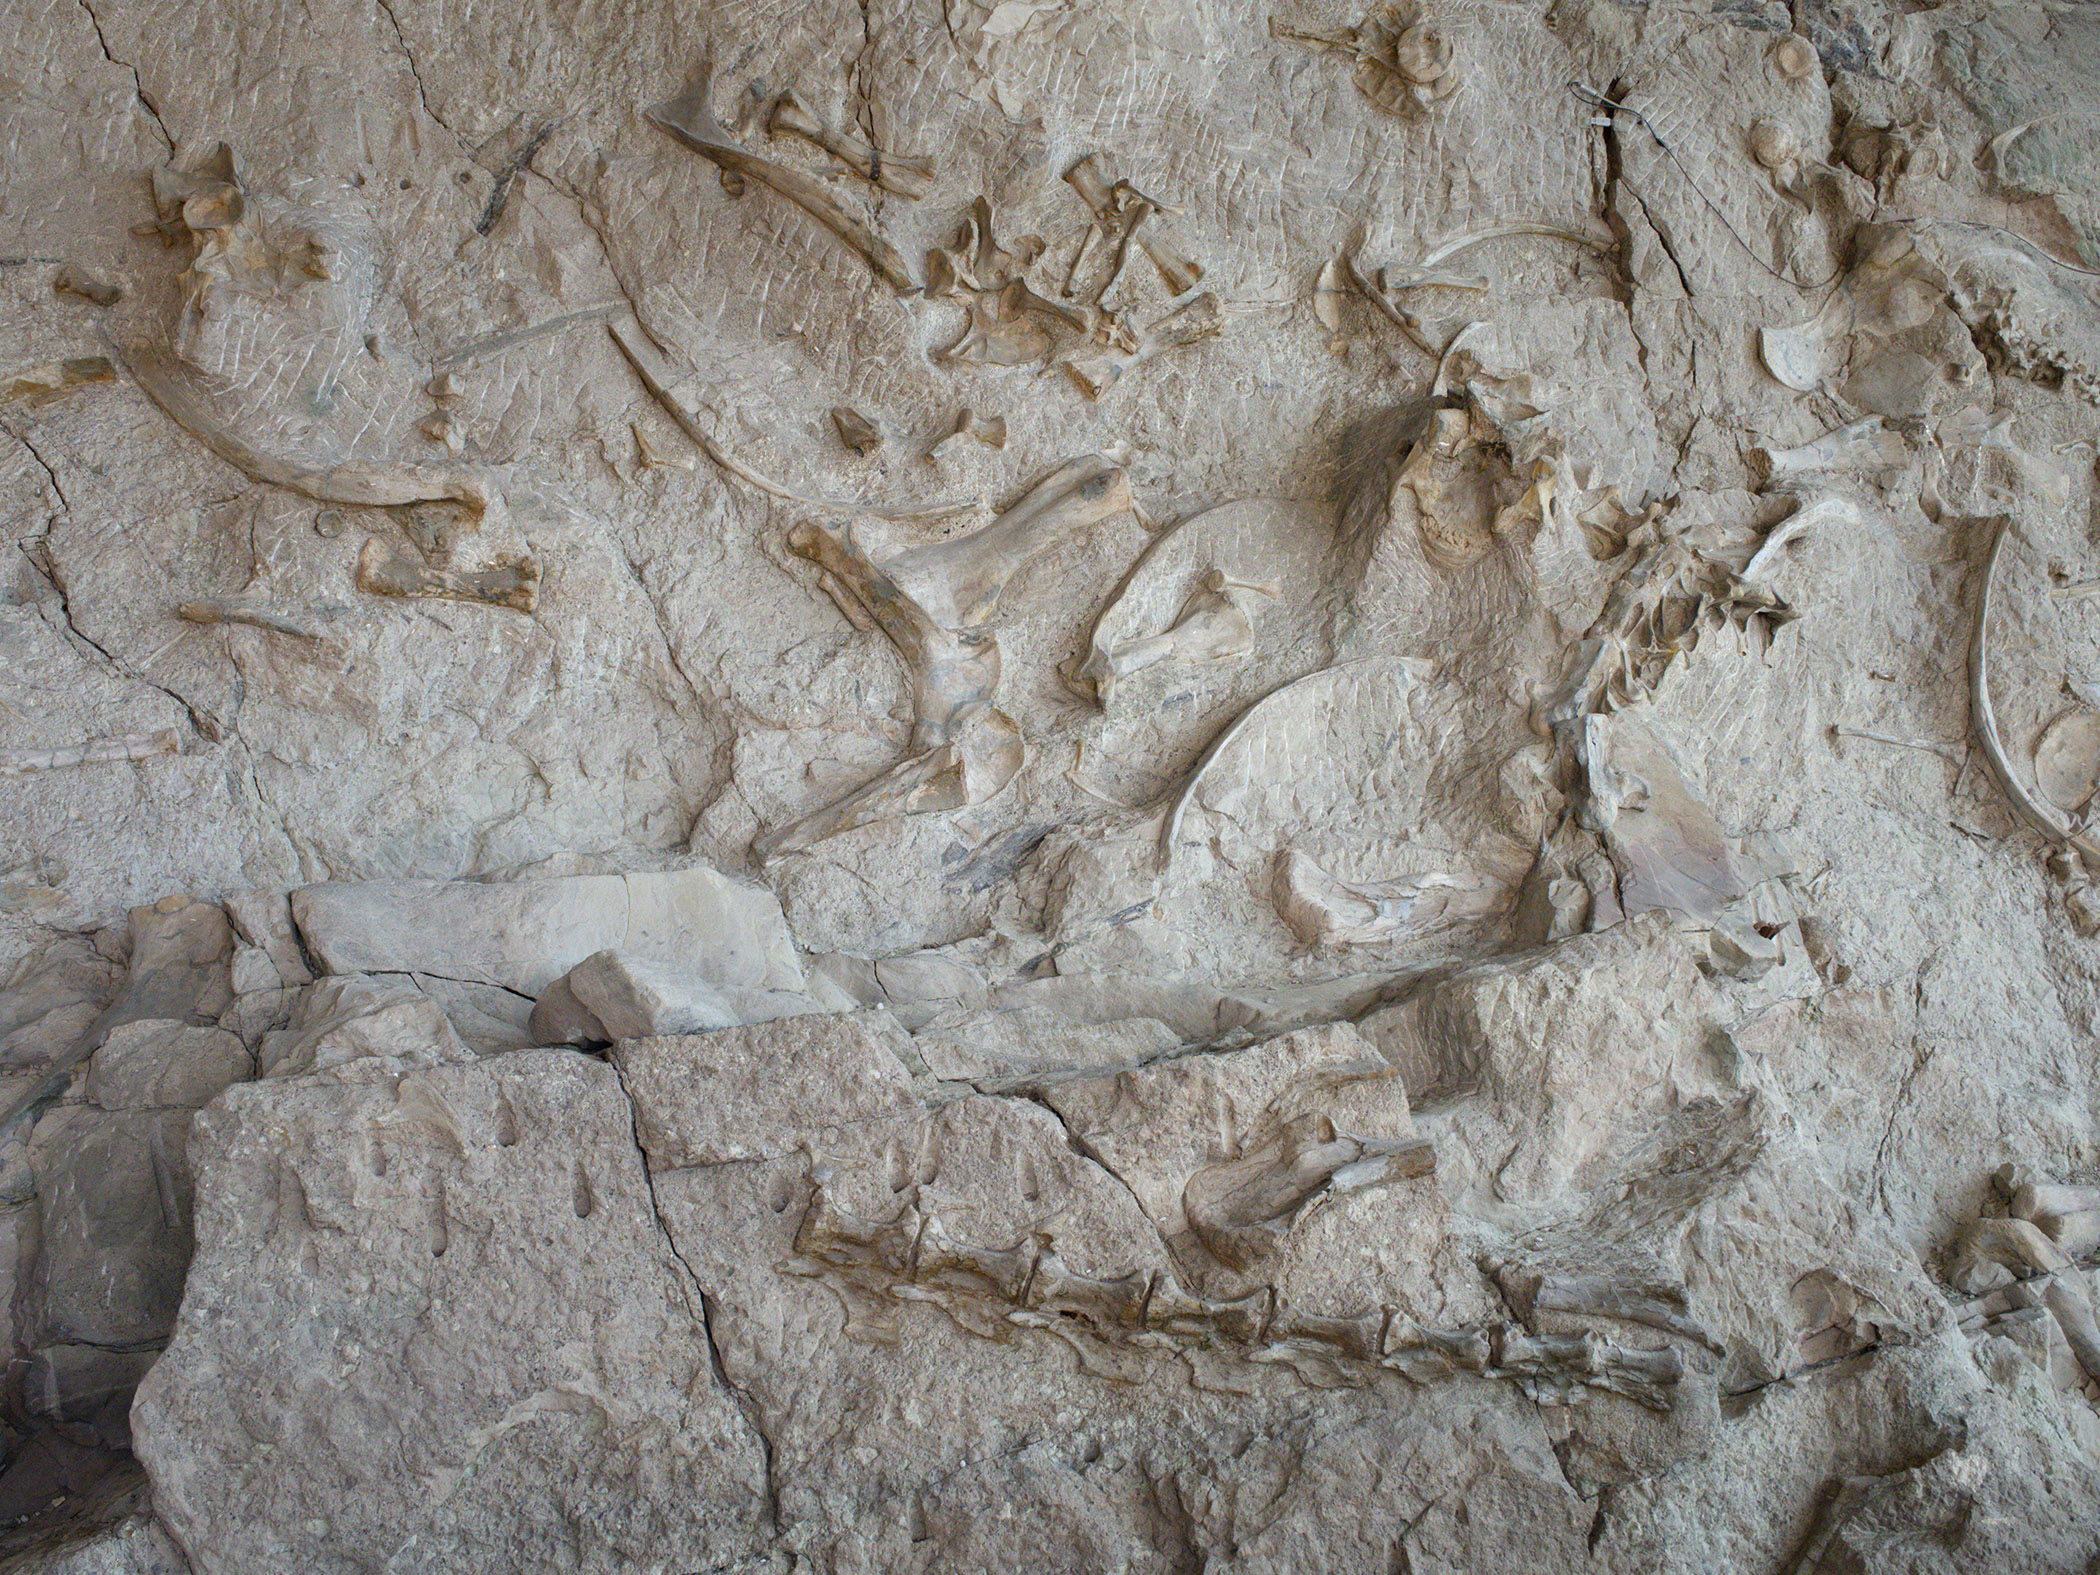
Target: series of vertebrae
<point>2014,352</point>
<point>913,1258</point>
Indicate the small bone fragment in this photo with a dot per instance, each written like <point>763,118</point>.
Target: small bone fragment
<point>445,386</point>
<point>94,752</point>
<point>1327,303</point>
<point>1949,752</point>
<point>657,376</point>
<point>906,176</point>
<point>439,427</point>
<point>1984,719</point>
<point>1108,202</point>
<point>75,280</point>
<point>990,432</point>
<point>1196,320</point>
<point>1323,910</point>
<point>855,430</point>
<point>687,118</point>
<point>2067,760</point>
<point>959,581</point>
<point>509,582</point>
<point>55,377</point>
<point>255,614</point>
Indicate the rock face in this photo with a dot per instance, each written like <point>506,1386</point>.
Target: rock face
<point>447,1286</point>
<point>1060,785</point>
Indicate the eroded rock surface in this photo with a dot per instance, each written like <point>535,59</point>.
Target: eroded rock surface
<point>1052,785</point>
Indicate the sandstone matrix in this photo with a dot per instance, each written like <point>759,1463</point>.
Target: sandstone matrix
<point>1073,785</point>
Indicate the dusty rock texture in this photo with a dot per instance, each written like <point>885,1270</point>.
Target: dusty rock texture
<point>1145,785</point>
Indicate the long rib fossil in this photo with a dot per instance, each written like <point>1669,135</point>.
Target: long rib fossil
<point>1985,720</point>
<point>688,118</point>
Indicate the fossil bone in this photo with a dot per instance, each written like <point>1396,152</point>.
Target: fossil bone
<point>1215,624</point>
<point>958,582</point>
<point>512,582</point>
<point>1984,718</point>
<point>855,430</point>
<point>257,615</point>
<point>1120,213</point>
<point>906,176</point>
<point>916,1257</point>
<point>1187,324</point>
<point>658,377</point>
<point>94,752</point>
<point>1323,910</point>
<point>38,383</point>
<point>688,119</point>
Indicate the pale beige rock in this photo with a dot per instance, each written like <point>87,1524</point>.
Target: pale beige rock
<point>523,935</point>
<point>449,1282</point>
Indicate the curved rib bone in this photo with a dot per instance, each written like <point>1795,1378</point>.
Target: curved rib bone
<point>2026,805</point>
<point>688,118</point>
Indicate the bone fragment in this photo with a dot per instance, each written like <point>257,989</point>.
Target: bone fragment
<point>906,176</point>
<point>1867,446</point>
<point>94,752</point>
<point>1215,625</point>
<point>349,481</point>
<point>509,582</point>
<point>1323,910</point>
<point>73,279</point>
<point>256,614</point>
<point>56,377</point>
<point>1196,320</point>
<point>1328,291</point>
<point>855,430</point>
<point>688,118</point>
<point>1108,201</point>
<point>959,581</point>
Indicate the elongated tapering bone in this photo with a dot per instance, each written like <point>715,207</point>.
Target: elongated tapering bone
<point>897,172</point>
<point>94,752</point>
<point>257,615</point>
<point>1113,203</point>
<point>350,481</point>
<point>688,118</point>
<point>658,377</point>
<point>1195,320</point>
<point>1983,718</point>
<point>1231,1207</point>
<point>1863,446</point>
<point>959,581</point>
<point>509,582</point>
